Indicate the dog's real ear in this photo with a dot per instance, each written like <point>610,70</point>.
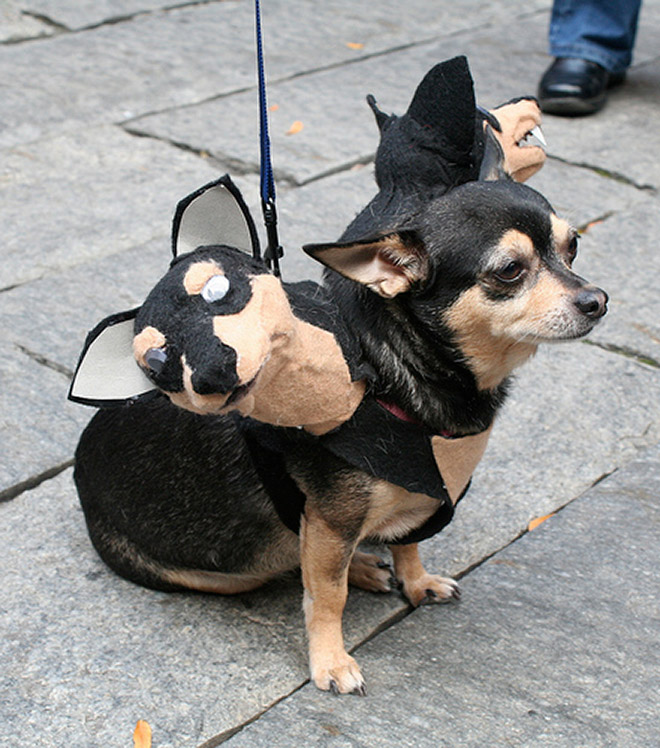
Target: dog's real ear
<point>389,264</point>
<point>493,162</point>
<point>107,374</point>
<point>214,214</point>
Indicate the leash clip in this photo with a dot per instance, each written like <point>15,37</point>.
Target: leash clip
<point>274,249</point>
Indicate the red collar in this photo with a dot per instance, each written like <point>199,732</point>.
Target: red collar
<point>401,414</point>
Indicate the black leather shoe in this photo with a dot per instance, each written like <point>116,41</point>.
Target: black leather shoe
<point>573,87</point>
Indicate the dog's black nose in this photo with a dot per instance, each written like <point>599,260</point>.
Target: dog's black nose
<point>592,302</point>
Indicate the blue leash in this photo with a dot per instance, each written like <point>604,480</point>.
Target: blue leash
<point>274,250</point>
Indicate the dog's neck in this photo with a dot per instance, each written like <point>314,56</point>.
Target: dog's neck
<point>426,377</point>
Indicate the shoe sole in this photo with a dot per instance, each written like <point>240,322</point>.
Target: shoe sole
<point>572,106</point>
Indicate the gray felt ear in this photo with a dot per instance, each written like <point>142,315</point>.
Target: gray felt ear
<point>214,214</point>
<point>492,164</point>
<point>107,373</point>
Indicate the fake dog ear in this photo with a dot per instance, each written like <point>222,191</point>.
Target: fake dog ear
<point>214,214</point>
<point>388,264</point>
<point>493,162</point>
<point>107,374</point>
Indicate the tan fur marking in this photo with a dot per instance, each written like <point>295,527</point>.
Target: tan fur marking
<point>561,232</point>
<point>215,582</point>
<point>482,328</point>
<point>457,460</point>
<point>393,511</point>
<point>517,245</point>
<point>149,338</point>
<point>198,274</point>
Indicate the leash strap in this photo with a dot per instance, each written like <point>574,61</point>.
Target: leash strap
<point>274,250</point>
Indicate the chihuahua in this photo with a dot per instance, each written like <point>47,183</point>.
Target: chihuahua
<point>445,307</point>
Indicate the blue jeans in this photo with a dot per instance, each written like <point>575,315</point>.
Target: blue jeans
<point>602,31</point>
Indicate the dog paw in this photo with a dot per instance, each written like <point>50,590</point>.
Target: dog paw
<point>371,573</point>
<point>340,676</point>
<point>430,588</point>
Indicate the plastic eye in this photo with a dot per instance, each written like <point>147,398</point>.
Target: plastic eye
<point>215,288</point>
<point>155,359</point>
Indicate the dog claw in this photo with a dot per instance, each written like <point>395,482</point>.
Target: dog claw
<point>334,688</point>
<point>360,690</point>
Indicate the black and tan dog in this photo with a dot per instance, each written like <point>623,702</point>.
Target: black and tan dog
<point>444,307</point>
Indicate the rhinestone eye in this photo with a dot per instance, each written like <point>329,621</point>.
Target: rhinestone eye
<point>215,288</point>
<point>155,359</point>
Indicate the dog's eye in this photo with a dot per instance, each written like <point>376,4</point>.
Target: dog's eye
<point>215,288</point>
<point>510,272</point>
<point>155,359</point>
<point>572,249</point>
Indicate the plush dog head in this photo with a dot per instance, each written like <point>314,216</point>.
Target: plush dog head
<point>219,332</point>
<point>487,267</point>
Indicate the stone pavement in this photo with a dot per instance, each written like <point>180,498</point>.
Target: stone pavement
<point>110,112</point>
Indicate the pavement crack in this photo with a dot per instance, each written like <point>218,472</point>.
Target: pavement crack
<point>47,21</point>
<point>220,161</point>
<point>622,350</point>
<point>44,361</point>
<point>607,173</point>
<point>27,485</point>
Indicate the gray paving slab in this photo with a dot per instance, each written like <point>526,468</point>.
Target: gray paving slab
<point>86,654</point>
<point>582,196</point>
<point>553,644</point>
<point>506,61</point>
<point>80,14</point>
<point>89,194</point>
<point>39,428</point>
<point>186,55</point>
<point>17,26</point>
<point>629,268</point>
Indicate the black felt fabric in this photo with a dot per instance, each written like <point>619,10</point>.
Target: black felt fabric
<point>372,440</point>
<point>386,447</point>
<point>436,145</point>
<point>266,445</point>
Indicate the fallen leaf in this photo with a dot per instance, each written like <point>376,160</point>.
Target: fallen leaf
<point>142,735</point>
<point>273,107</point>
<point>296,127</point>
<point>539,520</point>
<point>590,226</point>
<point>355,45</point>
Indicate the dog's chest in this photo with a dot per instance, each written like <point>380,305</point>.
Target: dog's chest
<point>396,513</point>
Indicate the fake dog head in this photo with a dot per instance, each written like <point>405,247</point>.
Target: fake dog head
<point>218,333</point>
<point>487,266</point>
<point>444,139</point>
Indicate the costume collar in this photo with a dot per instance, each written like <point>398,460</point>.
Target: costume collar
<point>402,415</point>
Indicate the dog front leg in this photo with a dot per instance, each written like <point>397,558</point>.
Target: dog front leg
<point>325,558</point>
<point>419,586</point>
